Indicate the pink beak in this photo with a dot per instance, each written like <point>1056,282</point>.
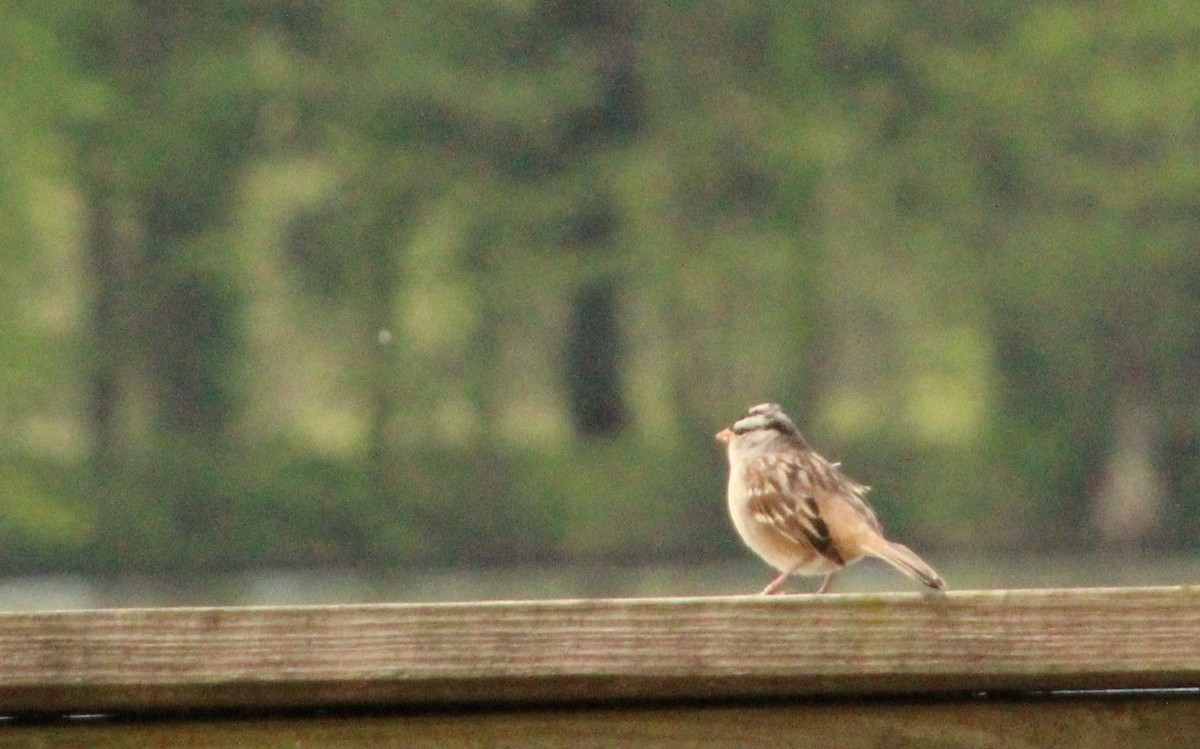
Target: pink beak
<point>724,436</point>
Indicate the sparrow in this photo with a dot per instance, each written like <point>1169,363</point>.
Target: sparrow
<point>797,510</point>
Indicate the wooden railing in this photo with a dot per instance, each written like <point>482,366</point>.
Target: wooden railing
<point>1083,667</point>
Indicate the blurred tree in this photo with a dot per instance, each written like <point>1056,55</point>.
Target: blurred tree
<point>593,361</point>
<point>606,33</point>
<point>160,165</point>
<point>1075,129</point>
<point>45,522</point>
<point>364,279</point>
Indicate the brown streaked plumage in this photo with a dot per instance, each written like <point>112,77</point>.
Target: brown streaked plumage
<point>797,510</point>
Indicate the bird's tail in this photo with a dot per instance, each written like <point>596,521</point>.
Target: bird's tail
<point>905,559</point>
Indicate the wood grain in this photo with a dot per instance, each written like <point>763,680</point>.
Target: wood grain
<point>590,651</point>
<point>1091,722</point>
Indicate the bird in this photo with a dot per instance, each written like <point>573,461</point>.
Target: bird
<point>797,510</point>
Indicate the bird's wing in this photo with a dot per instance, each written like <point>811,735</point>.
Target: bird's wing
<point>783,494</point>
<point>842,488</point>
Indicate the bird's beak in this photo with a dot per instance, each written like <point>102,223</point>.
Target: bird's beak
<point>724,436</point>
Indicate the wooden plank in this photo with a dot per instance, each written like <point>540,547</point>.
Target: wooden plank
<point>599,650</point>
<point>1090,722</point>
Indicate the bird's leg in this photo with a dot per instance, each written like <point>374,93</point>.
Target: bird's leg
<point>776,585</point>
<point>825,586</point>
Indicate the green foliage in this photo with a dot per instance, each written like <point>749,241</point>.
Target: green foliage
<point>300,284</point>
